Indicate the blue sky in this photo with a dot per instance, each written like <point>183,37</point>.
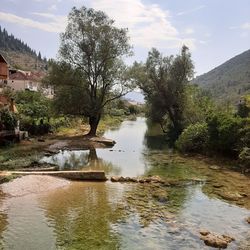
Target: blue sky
<point>215,30</point>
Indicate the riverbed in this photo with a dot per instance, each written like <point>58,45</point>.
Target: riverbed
<point>106,215</point>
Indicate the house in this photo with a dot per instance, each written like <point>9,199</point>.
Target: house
<point>18,80</point>
<point>27,80</point>
<point>4,70</point>
<point>24,80</point>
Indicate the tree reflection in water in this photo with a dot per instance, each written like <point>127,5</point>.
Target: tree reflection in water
<point>3,219</point>
<point>82,159</point>
<point>83,213</point>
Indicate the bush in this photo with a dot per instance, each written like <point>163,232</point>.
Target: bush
<point>224,132</point>
<point>8,119</point>
<point>193,139</point>
<point>245,157</point>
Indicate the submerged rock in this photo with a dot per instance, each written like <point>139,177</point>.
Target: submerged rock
<point>160,195</point>
<point>150,179</point>
<point>214,167</point>
<point>214,240</point>
<point>217,185</point>
<point>248,220</point>
<point>230,196</point>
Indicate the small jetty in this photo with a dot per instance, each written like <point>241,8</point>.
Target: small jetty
<point>71,175</point>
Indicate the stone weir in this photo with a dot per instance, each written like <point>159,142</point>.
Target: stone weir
<point>72,175</point>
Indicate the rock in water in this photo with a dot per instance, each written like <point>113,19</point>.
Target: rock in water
<point>248,220</point>
<point>214,240</point>
<point>114,178</point>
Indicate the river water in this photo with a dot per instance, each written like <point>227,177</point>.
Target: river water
<point>94,215</point>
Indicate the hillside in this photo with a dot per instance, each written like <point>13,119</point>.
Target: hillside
<point>229,81</point>
<point>18,54</point>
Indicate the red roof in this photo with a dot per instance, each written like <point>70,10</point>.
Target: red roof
<point>22,75</point>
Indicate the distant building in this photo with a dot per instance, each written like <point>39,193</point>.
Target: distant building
<point>18,80</point>
<point>4,70</point>
<point>26,80</point>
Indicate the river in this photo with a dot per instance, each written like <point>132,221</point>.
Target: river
<point>97,215</point>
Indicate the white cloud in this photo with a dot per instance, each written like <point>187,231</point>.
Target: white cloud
<point>245,26</point>
<point>148,24</point>
<point>185,12</point>
<point>53,7</point>
<point>208,35</point>
<point>189,31</point>
<point>54,24</point>
<point>203,42</point>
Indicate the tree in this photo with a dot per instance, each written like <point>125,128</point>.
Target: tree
<point>33,104</point>
<point>163,80</point>
<point>91,50</point>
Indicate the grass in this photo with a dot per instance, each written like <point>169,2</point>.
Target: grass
<point>7,178</point>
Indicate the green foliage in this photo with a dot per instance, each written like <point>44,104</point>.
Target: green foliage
<point>193,139</point>
<point>244,107</point>
<point>224,131</point>
<point>163,80</point>
<point>198,105</point>
<point>92,50</point>
<point>133,109</point>
<point>71,92</point>
<point>116,112</point>
<point>8,120</point>
<point>33,104</point>
<point>244,157</point>
<point>34,112</point>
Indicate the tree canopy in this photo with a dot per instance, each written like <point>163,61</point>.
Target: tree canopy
<point>90,72</point>
<point>163,80</point>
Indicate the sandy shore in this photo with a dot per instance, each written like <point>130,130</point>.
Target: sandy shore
<point>32,184</point>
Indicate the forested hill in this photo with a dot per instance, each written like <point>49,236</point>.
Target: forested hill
<point>19,54</point>
<point>229,81</point>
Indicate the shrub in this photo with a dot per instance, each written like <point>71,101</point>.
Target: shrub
<point>8,119</point>
<point>244,157</point>
<point>224,132</point>
<point>193,139</point>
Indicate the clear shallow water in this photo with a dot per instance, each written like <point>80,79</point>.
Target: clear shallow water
<point>89,215</point>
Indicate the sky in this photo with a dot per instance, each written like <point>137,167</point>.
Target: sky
<point>214,30</point>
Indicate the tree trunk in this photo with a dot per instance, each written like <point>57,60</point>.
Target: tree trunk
<point>93,123</point>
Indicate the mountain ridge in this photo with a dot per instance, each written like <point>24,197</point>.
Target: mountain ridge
<point>18,54</point>
<point>228,81</point>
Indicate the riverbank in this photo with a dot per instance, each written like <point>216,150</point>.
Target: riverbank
<point>28,152</point>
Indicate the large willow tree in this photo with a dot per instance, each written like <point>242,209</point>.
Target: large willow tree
<point>162,80</point>
<point>90,72</point>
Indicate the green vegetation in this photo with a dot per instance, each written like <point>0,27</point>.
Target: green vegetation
<point>163,80</point>
<point>90,78</point>
<point>193,139</point>
<point>8,120</point>
<point>189,117</point>
<point>229,81</point>
<point>91,72</point>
